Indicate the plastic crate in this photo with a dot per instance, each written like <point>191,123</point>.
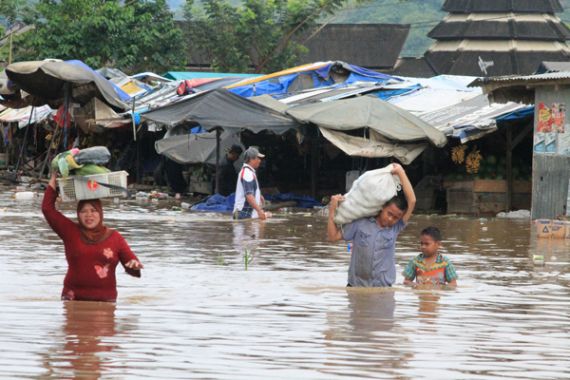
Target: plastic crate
<point>91,186</point>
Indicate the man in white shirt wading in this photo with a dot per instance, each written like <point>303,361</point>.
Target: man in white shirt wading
<point>249,201</point>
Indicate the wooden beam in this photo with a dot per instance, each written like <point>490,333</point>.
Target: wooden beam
<point>528,128</point>
<point>509,170</point>
<point>314,163</point>
<point>218,172</point>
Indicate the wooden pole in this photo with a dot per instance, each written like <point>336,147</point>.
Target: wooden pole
<point>10,49</point>
<point>218,138</point>
<point>314,162</point>
<point>509,169</point>
<point>133,119</point>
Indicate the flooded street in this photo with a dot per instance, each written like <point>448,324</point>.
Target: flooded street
<point>198,313</point>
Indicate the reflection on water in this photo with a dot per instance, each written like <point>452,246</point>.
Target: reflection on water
<point>197,313</point>
<point>86,341</point>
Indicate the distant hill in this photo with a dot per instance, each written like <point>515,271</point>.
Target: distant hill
<point>422,15</point>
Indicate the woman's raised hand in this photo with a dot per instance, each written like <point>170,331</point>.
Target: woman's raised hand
<point>134,264</point>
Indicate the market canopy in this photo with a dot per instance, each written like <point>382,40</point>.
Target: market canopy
<point>373,146</point>
<point>46,82</point>
<point>24,116</point>
<point>392,122</point>
<point>191,148</point>
<point>221,108</point>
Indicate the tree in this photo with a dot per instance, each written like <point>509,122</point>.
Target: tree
<point>133,35</point>
<point>264,34</point>
<point>12,12</point>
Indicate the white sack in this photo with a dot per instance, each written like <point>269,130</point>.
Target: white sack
<point>367,195</point>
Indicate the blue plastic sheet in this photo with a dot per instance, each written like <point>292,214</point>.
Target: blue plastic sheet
<point>387,94</point>
<point>517,115</point>
<point>279,86</point>
<point>219,203</point>
<point>303,201</point>
<point>216,203</point>
<point>120,93</point>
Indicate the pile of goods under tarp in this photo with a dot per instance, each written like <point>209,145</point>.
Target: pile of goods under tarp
<point>82,162</point>
<point>368,195</point>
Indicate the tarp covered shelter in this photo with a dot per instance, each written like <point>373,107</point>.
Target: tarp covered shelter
<point>221,108</point>
<point>46,82</point>
<point>191,148</point>
<point>392,132</point>
<point>24,116</point>
<point>373,146</point>
<point>369,112</point>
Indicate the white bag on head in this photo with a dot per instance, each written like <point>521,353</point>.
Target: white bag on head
<point>367,195</point>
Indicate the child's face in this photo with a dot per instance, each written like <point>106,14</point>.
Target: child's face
<point>429,246</point>
<point>390,215</point>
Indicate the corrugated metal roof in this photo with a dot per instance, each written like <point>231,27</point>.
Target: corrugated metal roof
<point>492,64</point>
<point>522,6</point>
<point>526,79</point>
<point>500,30</point>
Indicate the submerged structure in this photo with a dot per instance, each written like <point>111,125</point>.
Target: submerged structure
<point>497,37</point>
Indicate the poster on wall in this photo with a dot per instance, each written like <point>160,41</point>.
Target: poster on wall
<point>551,134</point>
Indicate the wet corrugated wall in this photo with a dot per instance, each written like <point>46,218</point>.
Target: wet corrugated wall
<point>551,169</point>
<point>549,186</point>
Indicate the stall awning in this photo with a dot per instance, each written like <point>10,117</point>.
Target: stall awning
<point>374,146</point>
<point>192,148</point>
<point>221,108</point>
<point>22,115</point>
<point>392,122</point>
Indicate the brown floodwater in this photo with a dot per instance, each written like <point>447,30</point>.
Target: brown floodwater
<point>198,313</point>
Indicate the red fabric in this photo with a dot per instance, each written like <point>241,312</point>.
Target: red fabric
<point>61,117</point>
<point>90,267</point>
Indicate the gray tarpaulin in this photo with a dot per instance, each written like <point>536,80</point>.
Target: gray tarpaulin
<point>373,147</point>
<point>392,122</point>
<point>45,80</point>
<point>195,148</point>
<point>221,108</point>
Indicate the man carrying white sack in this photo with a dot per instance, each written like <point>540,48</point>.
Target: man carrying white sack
<point>372,263</point>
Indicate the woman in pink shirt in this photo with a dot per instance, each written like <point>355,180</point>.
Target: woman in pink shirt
<point>92,250</point>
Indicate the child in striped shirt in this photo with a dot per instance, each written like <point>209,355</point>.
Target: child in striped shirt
<point>430,266</point>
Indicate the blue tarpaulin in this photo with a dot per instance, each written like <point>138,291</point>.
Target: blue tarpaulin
<point>277,86</point>
<point>517,115</point>
<point>387,94</point>
<point>219,203</point>
<point>216,203</point>
<point>303,201</point>
<point>120,93</point>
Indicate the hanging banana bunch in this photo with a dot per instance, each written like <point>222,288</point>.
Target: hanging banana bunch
<point>458,154</point>
<point>473,161</point>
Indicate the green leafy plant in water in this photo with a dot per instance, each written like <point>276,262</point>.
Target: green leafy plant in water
<point>247,258</point>
<point>220,260</point>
